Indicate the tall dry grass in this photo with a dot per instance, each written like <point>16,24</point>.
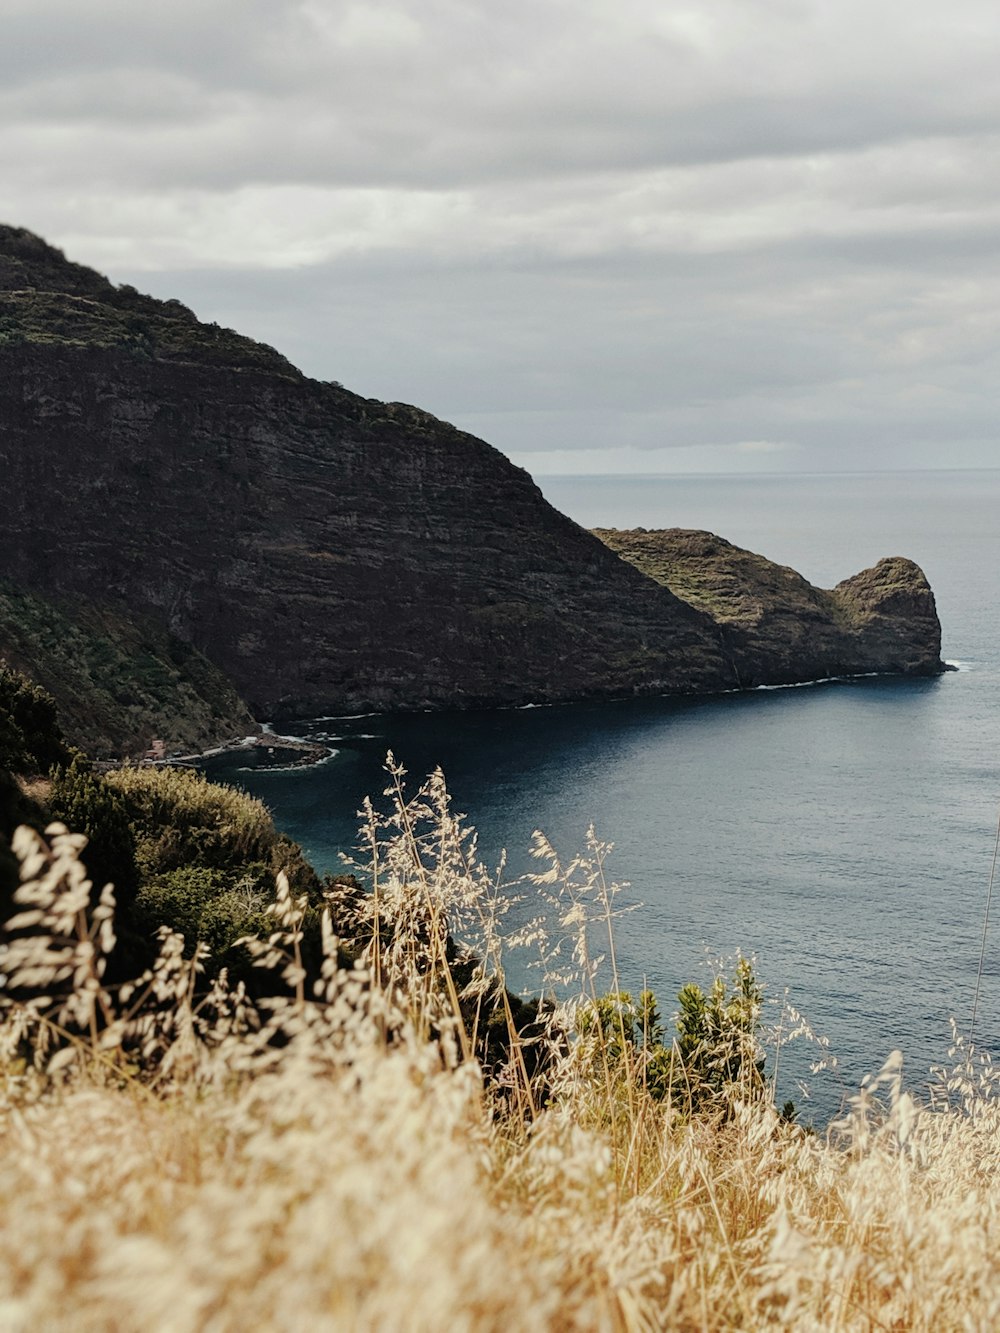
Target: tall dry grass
<point>175,1158</point>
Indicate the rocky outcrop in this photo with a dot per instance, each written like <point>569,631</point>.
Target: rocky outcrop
<point>325,552</point>
<point>779,629</point>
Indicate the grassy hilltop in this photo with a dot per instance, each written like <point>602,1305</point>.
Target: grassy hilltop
<point>340,1159</point>
<point>776,626</point>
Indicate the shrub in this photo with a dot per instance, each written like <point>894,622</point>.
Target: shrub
<point>180,818</point>
<point>718,1037</point>
<point>177,898</point>
<point>715,1058</point>
<point>239,911</point>
<point>208,856</point>
<point>213,909</point>
<point>30,738</point>
<point>12,813</point>
<point>88,804</point>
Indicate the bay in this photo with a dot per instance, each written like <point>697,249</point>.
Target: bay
<point>841,832</point>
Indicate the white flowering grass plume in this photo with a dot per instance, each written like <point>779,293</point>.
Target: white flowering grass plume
<point>173,1156</point>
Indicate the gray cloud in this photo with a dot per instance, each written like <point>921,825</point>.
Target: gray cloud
<point>738,233</point>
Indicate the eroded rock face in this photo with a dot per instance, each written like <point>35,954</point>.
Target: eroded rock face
<point>778,628</point>
<point>893,612</point>
<point>328,552</point>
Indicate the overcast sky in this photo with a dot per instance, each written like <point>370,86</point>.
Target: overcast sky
<point>605,235</point>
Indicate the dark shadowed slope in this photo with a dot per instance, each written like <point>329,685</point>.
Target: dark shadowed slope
<point>325,550</point>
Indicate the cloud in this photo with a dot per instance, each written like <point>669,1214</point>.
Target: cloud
<point>574,227</point>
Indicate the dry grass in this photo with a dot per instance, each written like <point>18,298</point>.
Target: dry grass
<point>336,1160</point>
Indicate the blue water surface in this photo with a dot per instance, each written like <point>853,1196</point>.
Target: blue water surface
<point>841,832</point>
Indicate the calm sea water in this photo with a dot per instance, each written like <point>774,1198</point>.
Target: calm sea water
<point>842,832</point>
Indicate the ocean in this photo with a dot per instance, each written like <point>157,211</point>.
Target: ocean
<point>842,833</point>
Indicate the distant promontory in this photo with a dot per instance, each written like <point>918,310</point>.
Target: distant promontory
<point>777,628</point>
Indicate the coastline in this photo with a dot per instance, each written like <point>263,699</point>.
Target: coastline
<point>290,753</point>
<point>284,753</point>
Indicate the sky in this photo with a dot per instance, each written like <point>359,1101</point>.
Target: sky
<point>608,236</point>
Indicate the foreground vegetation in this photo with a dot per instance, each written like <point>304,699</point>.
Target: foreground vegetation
<point>338,1153</point>
<point>180,851</point>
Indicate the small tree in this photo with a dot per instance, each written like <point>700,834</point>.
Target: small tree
<point>717,1037</point>
<point>30,738</point>
<point>715,1055</point>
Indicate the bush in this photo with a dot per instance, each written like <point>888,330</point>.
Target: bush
<point>30,738</point>
<point>180,818</point>
<point>86,803</point>
<point>15,809</point>
<point>177,899</point>
<point>717,1037</point>
<point>208,856</point>
<point>714,1057</point>
<point>210,907</point>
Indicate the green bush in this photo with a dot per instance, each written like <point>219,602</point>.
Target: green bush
<point>217,908</point>
<point>237,911</point>
<point>714,1056</point>
<point>30,738</point>
<point>208,856</point>
<point>30,743</point>
<point>211,907</point>
<point>15,808</point>
<point>88,804</point>
<point>177,899</point>
<point>717,1036</point>
<point>180,818</point>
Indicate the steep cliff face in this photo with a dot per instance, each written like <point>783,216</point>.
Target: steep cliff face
<point>326,551</point>
<point>778,628</point>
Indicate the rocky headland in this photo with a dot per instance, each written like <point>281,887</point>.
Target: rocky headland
<point>313,551</point>
<point>777,628</point>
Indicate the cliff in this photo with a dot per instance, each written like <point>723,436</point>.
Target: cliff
<point>777,628</point>
<point>325,552</point>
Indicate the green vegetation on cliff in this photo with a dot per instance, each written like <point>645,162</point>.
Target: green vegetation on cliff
<point>31,739</point>
<point>118,682</point>
<point>180,851</point>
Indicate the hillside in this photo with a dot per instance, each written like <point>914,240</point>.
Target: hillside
<point>340,1155</point>
<point>119,683</point>
<point>325,552</point>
